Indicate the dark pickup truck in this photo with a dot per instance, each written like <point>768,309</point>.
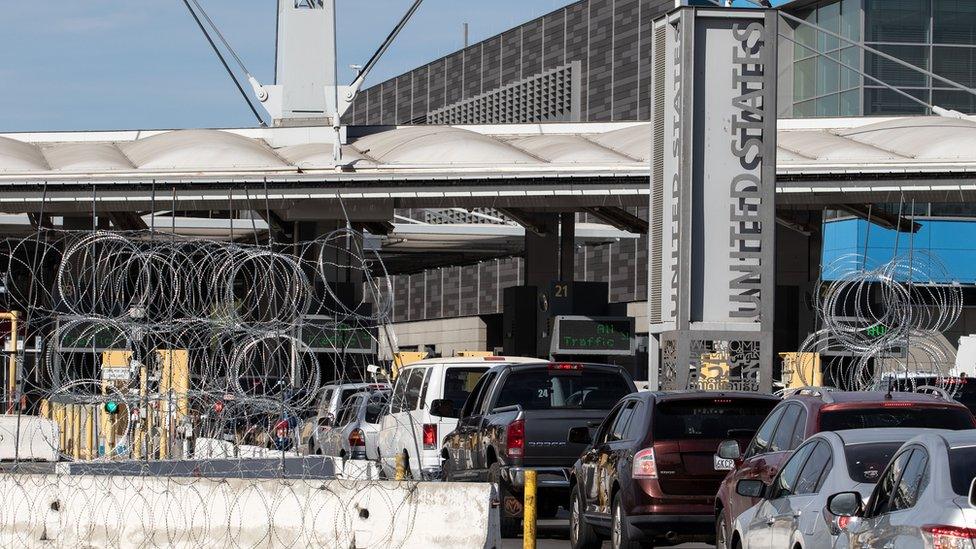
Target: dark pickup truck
<point>518,417</point>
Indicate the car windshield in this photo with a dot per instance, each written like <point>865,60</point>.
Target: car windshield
<point>712,418</point>
<point>545,389</point>
<point>866,461</point>
<point>458,383</point>
<point>932,417</point>
<point>962,468</point>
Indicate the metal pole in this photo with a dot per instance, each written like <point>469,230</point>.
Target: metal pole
<point>12,361</point>
<point>529,513</point>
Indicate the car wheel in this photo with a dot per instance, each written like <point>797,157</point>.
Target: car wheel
<point>407,471</point>
<point>510,526</point>
<point>581,534</point>
<point>619,533</point>
<point>446,474</point>
<point>721,532</point>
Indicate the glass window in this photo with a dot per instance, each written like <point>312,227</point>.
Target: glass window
<point>962,468</point>
<point>912,482</point>
<point>785,483</point>
<point>800,431</point>
<point>957,100</point>
<point>892,73</point>
<point>619,428</point>
<point>325,402</point>
<point>349,411</point>
<point>804,109</point>
<point>887,484</point>
<point>459,382</point>
<point>852,58</point>
<point>475,400</point>
<point>784,433</point>
<point>376,405</point>
<point>897,20</point>
<point>866,461</point>
<point>543,388</point>
<point>604,433</point>
<point>815,470</point>
<point>954,21</point>
<point>399,391</point>
<point>850,103</point>
<point>915,417</point>
<point>850,22</point>
<point>411,396</point>
<point>805,79</point>
<point>828,17</point>
<point>760,443</point>
<point>828,105</point>
<point>713,418</point>
<point>956,64</point>
<point>885,101</point>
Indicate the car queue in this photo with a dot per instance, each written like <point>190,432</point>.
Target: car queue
<point>813,467</point>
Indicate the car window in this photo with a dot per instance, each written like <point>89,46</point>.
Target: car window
<point>400,391</point>
<point>886,485</point>
<point>636,427</point>
<point>544,388</point>
<point>708,418</point>
<point>325,401</point>
<point>459,382</point>
<point>898,414</point>
<point>815,470</point>
<point>800,431</point>
<point>760,443</point>
<point>423,391</point>
<point>603,433</point>
<point>411,396</point>
<point>619,427</point>
<point>783,437</point>
<point>375,406</point>
<point>476,398</point>
<point>785,483</point>
<point>913,481</point>
<point>348,411</point>
<point>962,468</point>
<point>866,461</point>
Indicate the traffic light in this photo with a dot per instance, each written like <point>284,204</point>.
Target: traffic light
<point>111,407</point>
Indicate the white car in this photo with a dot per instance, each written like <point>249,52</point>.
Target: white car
<point>330,398</point>
<point>424,408</point>
<point>792,510</point>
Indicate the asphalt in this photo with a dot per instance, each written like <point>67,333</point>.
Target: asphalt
<point>554,534</point>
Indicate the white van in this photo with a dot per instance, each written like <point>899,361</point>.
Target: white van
<point>412,428</point>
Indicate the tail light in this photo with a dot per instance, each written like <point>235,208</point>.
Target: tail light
<point>897,404</point>
<point>515,439</point>
<point>644,464</point>
<point>565,366</point>
<point>835,524</point>
<point>430,436</point>
<point>356,438</point>
<point>948,537</point>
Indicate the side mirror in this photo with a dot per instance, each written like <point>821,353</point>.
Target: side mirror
<point>442,407</point>
<point>729,449</point>
<point>750,488</point>
<point>579,435</point>
<point>845,504</point>
<point>326,420</point>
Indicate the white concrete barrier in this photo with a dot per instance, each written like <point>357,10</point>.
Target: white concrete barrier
<point>103,512</point>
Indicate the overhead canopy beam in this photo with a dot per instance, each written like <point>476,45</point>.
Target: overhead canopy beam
<point>880,218</point>
<point>619,218</point>
<point>128,221</point>
<point>530,221</point>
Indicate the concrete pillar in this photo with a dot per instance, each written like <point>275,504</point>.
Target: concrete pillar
<point>542,251</point>
<point>567,247</point>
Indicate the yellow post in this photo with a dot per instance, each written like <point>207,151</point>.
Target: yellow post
<point>12,316</point>
<point>401,471</point>
<point>528,513</point>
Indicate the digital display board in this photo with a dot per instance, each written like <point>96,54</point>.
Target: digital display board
<point>323,335</point>
<point>583,335</point>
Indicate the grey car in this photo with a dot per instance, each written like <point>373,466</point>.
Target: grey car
<point>791,512</point>
<point>924,498</point>
<point>354,434</point>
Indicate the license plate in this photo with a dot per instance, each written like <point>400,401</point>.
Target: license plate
<point>722,464</point>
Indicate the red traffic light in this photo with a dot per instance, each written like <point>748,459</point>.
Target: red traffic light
<point>219,406</point>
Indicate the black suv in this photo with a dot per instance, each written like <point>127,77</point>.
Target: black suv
<point>518,417</point>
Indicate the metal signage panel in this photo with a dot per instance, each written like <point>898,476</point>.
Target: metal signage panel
<point>322,334</point>
<point>588,335</point>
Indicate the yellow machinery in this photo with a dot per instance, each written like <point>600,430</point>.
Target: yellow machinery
<point>801,370</point>
<point>474,354</point>
<point>406,358</point>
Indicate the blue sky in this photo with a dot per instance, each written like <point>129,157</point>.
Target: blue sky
<point>117,64</point>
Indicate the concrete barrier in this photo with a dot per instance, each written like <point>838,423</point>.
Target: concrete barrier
<point>104,511</point>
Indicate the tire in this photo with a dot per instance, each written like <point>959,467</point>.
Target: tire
<point>511,527</point>
<point>619,533</point>
<point>446,474</point>
<point>721,531</point>
<point>407,471</point>
<point>581,534</point>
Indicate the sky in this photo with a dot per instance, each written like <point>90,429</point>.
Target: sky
<point>119,64</point>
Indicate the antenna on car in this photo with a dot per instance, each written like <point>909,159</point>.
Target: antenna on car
<point>891,387</point>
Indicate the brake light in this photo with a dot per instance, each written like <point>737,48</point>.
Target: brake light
<point>356,438</point>
<point>948,537</point>
<point>430,436</point>
<point>565,366</point>
<point>515,439</point>
<point>645,465</point>
<point>722,401</point>
<point>494,359</point>
<point>842,522</point>
<point>897,404</point>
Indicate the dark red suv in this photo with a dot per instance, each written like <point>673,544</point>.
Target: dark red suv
<point>648,475</point>
<point>812,410</point>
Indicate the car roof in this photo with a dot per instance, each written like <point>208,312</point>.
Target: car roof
<point>956,439</point>
<point>888,434</point>
<point>693,394</point>
<point>869,397</point>
<point>474,360</point>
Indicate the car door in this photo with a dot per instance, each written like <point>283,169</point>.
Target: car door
<point>896,528</point>
<point>790,509</point>
<point>590,460</point>
<point>754,462</point>
<point>389,425</point>
<point>759,532</point>
<point>867,532</point>
<point>465,442</point>
<point>607,455</point>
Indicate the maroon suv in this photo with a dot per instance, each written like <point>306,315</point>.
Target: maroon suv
<point>811,411</point>
<point>648,475</point>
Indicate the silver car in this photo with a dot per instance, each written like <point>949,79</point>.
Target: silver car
<point>791,512</point>
<point>354,434</point>
<point>924,498</point>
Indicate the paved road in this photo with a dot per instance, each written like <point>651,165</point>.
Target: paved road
<point>554,534</point>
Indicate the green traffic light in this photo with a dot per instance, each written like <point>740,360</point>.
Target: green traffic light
<point>111,406</point>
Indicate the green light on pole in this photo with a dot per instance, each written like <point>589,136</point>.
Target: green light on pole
<point>111,406</point>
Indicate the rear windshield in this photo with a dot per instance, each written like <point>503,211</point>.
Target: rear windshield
<point>920,416</point>
<point>962,468</point>
<point>546,389</point>
<point>374,408</point>
<point>718,418</point>
<point>962,389</point>
<point>458,383</point>
<point>865,462</point>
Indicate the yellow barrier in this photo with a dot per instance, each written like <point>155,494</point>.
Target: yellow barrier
<point>529,511</point>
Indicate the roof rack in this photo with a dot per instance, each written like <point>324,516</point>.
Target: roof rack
<point>822,392</point>
<point>933,390</point>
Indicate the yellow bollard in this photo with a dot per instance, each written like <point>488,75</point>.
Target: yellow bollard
<point>528,513</point>
<point>401,471</point>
